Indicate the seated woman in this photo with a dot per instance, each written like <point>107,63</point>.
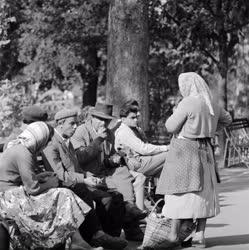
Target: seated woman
<point>41,214</point>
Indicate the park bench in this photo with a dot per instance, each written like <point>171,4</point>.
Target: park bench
<point>236,150</point>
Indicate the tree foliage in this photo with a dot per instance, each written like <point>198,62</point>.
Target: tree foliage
<point>9,23</point>
<point>238,81</point>
<point>57,43</point>
<point>209,27</point>
<point>13,96</point>
<point>57,38</point>
<point>62,44</point>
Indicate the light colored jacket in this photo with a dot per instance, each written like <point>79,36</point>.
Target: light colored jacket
<point>192,119</point>
<point>126,138</point>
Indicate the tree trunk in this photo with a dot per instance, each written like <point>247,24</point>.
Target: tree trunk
<point>91,77</point>
<point>223,69</point>
<point>128,49</point>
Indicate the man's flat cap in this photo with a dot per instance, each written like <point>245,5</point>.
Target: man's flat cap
<point>65,113</point>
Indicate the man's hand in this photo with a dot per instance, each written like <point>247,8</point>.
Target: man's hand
<point>92,181</point>
<point>165,147</point>
<point>102,133</point>
<point>52,181</point>
<point>43,176</point>
<point>115,158</point>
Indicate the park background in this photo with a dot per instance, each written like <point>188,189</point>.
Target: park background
<point>70,53</point>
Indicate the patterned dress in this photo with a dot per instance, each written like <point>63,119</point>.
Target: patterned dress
<point>44,220</point>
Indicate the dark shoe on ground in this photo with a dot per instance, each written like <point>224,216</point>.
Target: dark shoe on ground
<point>135,234</point>
<point>187,243</point>
<point>134,213</point>
<point>142,222</point>
<point>109,242</point>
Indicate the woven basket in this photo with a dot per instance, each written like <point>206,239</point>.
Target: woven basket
<point>158,229</point>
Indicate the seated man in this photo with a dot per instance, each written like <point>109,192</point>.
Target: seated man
<point>94,146</point>
<point>140,156</point>
<point>59,156</point>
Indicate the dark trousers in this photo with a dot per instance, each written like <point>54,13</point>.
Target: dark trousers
<point>4,238</point>
<point>110,209</point>
<point>91,223</point>
<point>61,247</point>
<point>109,213</point>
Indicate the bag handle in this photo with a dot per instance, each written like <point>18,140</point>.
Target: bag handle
<point>156,204</point>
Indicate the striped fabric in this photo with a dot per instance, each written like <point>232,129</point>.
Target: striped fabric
<point>34,137</point>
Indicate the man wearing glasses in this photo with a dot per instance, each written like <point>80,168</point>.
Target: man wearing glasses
<point>140,156</point>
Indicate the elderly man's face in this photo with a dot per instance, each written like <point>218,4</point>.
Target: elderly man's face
<point>131,120</point>
<point>69,126</point>
<point>98,122</point>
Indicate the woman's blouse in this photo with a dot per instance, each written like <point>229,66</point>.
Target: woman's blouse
<point>192,119</point>
<point>17,166</point>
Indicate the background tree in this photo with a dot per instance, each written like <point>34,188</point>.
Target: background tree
<point>10,19</point>
<point>238,79</point>
<point>128,50</point>
<point>51,47</point>
<point>61,43</point>
<point>209,27</point>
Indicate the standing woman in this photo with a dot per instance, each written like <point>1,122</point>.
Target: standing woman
<point>41,214</point>
<point>188,179</point>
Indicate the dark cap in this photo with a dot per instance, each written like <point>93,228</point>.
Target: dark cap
<point>33,114</point>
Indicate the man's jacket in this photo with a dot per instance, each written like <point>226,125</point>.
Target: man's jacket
<point>61,159</point>
<point>91,150</point>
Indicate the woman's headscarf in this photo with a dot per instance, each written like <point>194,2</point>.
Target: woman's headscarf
<point>34,137</point>
<point>191,84</point>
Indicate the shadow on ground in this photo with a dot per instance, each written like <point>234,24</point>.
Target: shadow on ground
<point>217,225</point>
<point>237,181</point>
<point>228,240</point>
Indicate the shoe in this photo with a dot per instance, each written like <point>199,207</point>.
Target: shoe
<point>199,243</point>
<point>187,243</point>
<point>134,213</point>
<point>134,234</point>
<point>142,222</point>
<point>109,242</point>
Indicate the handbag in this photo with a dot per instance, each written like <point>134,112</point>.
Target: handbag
<point>158,228</point>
